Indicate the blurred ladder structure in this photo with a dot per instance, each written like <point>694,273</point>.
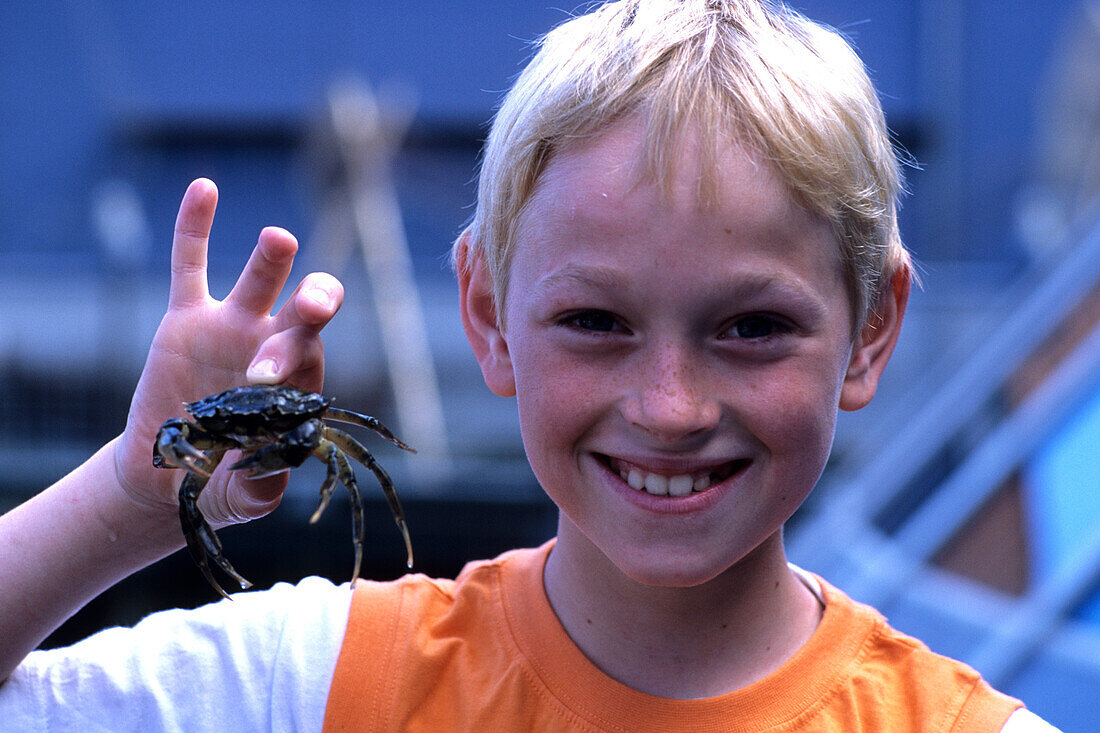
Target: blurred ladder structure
<point>356,142</point>
<point>878,535</point>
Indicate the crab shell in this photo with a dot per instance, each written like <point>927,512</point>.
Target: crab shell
<point>258,408</point>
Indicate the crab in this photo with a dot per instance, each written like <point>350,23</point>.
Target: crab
<point>277,427</point>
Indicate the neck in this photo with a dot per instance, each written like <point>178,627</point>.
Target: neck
<point>693,642</point>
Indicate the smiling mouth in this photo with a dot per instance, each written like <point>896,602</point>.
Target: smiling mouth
<point>684,484</point>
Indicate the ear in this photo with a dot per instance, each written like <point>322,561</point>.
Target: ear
<point>477,305</point>
<point>875,344</point>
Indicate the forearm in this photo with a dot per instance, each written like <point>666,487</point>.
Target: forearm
<point>117,513</point>
<point>68,544</point>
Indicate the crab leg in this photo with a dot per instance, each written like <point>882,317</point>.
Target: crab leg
<point>366,421</point>
<point>327,453</point>
<point>338,467</point>
<point>355,449</point>
<point>202,542</point>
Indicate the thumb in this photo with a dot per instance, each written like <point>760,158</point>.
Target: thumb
<point>295,355</point>
<point>245,499</point>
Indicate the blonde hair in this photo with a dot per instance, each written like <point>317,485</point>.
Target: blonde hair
<point>750,70</point>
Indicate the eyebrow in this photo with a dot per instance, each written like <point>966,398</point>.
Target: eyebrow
<point>585,275</point>
<point>746,286</point>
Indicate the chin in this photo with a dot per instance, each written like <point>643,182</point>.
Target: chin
<point>690,565</point>
<point>671,570</point>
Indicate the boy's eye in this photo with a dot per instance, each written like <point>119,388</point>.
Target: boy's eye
<point>593,320</point>
<point>756,327</point>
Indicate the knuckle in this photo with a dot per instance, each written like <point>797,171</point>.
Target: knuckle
<point>189,233</point>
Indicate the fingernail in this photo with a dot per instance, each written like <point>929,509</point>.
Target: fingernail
<point>321,297</point>
<point>262,370</point>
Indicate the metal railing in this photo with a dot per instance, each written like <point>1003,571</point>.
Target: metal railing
<point>878,565</point>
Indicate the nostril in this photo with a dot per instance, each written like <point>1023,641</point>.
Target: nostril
<point>674,417</point>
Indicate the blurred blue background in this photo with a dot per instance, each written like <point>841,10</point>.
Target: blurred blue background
<point>113,106</point>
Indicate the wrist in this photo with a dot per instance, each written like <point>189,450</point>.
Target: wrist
<point>125,512</point>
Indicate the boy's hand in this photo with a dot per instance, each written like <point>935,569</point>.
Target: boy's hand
<point>204,346</point>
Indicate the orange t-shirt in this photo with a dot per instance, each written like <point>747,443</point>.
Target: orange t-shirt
<point>485,652</point>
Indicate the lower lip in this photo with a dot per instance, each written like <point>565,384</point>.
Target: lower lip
<point>695,502</point>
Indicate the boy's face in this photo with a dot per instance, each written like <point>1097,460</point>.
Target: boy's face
<point>699,352</point>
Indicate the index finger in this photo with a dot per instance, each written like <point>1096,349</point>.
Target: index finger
<point>189,243</point>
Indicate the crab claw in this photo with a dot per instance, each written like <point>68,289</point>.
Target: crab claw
<point>291,452</point>
<point>172,450</point>
<point>195,464</point>
<point>257,469</point>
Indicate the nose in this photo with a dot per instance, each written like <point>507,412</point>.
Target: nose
<point>668,396</point>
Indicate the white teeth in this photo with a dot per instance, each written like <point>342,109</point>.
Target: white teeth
<point>656,484</point>
<point>679,485</point>
<point>659,485</point>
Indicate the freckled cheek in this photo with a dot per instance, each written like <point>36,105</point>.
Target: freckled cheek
<point>555,414</point>
<point>798,416</point>
<point>554,396</point>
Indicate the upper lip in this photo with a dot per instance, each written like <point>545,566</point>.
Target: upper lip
<point>671,466</point>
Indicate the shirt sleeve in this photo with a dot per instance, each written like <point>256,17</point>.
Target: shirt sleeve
<point>262,661</point>
<point>1023,720</point>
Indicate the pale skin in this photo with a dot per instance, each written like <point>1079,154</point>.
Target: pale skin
<point>115,513</point>
<point>622,354</point>
<point>671,337</point>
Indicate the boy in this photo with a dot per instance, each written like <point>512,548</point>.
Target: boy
<point>685,257</point>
